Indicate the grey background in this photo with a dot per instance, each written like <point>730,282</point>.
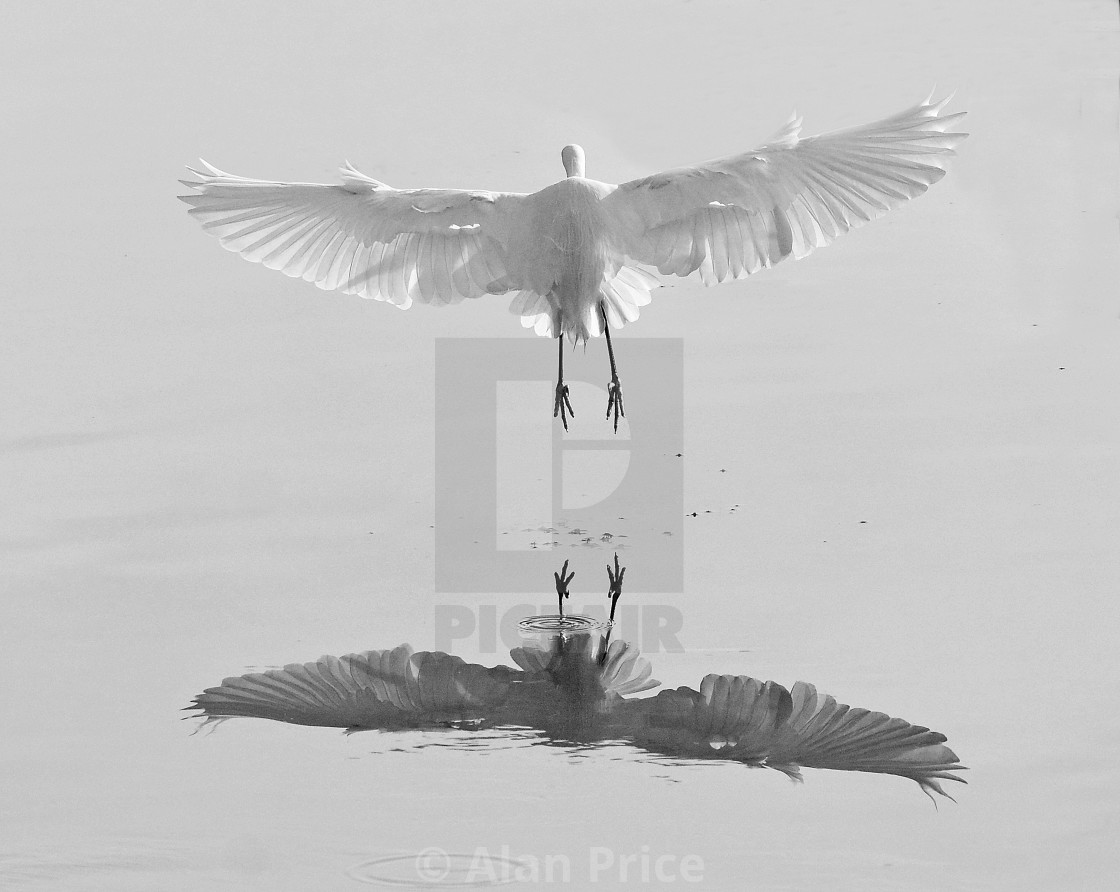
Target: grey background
<point>207,466</point>
<point>581,490</point>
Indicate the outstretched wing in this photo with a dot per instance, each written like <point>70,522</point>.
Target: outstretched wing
<point>733,216</point>
<point>764,724</point>
<point>376,689</point>
<point>363,237</point>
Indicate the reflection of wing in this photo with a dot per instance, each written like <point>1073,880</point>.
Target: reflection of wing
<point>567,691</point>
<point>376,689</point>
<point>622,671</point>
<point>763,724</point>
<point>733,216</point>
<point>432,245</point>
<point>626,671</point>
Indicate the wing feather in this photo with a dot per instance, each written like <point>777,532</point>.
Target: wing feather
<point>730,217</point>
<point>375,689</point>
<point>435,246</point>
<point>460,272</point>
<point>765,725</point>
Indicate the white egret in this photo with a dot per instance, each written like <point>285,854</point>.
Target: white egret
<point>580,255</point>
<point>573,688</point>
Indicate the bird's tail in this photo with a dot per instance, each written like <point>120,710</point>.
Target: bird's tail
<point>622,296</point>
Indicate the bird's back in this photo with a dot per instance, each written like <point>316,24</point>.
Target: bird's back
<point>566,260</point>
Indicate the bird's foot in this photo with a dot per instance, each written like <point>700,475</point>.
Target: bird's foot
<point>614,401</point>
<point>563,579</point>
<point>562,405</point>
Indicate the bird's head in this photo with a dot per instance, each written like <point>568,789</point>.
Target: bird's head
<point>572,156</point>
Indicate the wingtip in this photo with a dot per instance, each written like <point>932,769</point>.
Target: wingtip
<point>205,171</point>
<point>934,108</point>
<point>790,132</point>
<point>354,178</point>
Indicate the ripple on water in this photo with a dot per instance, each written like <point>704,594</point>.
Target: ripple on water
<point>573,622</point>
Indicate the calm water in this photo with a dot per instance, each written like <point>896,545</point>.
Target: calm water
<point>906,443</point>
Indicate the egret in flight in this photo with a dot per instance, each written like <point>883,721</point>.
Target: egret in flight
<point>574,689</point>
<point>580,256</point>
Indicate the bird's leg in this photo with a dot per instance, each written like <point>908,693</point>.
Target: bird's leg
<point>562,579</point>
<point>561,403</point>
<point>614,389</point>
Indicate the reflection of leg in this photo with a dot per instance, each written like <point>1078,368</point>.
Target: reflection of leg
<point>614,389</point>
<point>562,579</point>
<point>561,403</point>
<point>615,579</point>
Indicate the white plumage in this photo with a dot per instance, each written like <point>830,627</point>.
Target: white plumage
<point>579,241</point>
<point>580,250</point>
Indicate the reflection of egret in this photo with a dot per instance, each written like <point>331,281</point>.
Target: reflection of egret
<point>578,254</point>
<point>573,689</point>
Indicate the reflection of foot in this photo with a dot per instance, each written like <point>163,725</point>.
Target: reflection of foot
<point>614,401</point>
<point>615,579</point>
<point>562,405</point>
<point>563,578</point>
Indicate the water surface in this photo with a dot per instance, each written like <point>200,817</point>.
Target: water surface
<point>209,469</point>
